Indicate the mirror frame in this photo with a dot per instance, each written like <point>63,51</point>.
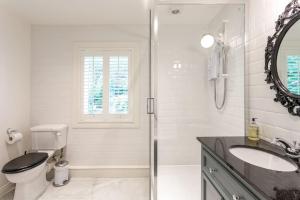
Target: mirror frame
<point>285,21</point>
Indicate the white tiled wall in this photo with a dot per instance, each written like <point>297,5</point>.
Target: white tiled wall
<point>272,117</point>
<point>185,96</point>
<point>52,73</point>
<point>182,95</point>
<point>230,120</point>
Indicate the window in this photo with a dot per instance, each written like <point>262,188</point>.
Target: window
<point>293,74</point>
<point>118,84</point>
<point>93,85</point>
<point>106,86</point>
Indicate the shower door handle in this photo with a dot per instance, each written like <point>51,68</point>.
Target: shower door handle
<point>150,106</point>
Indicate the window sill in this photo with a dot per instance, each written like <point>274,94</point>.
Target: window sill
<point>105,125</point>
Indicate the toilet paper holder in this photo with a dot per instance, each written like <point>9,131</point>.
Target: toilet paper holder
<point>11,131</point>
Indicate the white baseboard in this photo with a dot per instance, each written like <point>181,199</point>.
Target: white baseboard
<point>8,187</point>
<point>109,171</point>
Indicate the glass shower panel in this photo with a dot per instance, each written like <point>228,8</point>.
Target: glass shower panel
<point>186,98</point>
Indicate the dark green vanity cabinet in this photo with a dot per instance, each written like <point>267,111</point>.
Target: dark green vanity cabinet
<point>225,177</point>
<point>219,183</point>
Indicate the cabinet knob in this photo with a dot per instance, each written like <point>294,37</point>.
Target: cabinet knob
<point>235,197</point>
<point>211,170</point>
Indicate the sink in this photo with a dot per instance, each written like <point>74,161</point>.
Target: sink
<point>263,159</point>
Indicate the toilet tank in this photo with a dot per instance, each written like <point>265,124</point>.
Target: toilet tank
<point>49,136</point>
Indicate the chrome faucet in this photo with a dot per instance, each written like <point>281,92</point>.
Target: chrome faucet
<point>291,150</point>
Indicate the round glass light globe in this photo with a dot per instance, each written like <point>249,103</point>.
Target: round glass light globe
<point>207,41</point>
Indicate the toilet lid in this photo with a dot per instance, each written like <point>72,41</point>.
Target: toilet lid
<point>24,163</point>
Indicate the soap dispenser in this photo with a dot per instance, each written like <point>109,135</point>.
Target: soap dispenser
<point>253,131</point>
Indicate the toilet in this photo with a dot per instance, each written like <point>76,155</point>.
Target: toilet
<point>29,171</point>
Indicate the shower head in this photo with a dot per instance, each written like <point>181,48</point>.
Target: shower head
<point>175,10</point>
<point>208,39</point>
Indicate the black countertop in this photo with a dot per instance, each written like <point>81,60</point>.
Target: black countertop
<point>273,185</point>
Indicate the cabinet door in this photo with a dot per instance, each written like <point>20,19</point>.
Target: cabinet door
<point>209,192</point>
<point>222,179</point>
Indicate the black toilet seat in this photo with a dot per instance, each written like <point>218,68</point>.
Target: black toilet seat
<point>24,163</point>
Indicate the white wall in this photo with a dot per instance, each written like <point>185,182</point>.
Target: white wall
<point>52,73</point>
<point>14,85</point>
<point>272,117</point>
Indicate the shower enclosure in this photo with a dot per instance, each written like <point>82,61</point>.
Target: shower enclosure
<point>183,95</point>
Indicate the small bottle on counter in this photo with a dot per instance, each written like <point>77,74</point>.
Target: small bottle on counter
<point>253,130</point>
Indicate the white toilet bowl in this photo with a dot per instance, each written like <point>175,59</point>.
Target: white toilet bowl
<point>29,174</point>
<point>29,184</point>
<point>29,171</point>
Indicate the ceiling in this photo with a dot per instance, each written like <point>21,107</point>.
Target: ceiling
<point>99,12</point>
<point>189,14</point>
<point>80,12</point>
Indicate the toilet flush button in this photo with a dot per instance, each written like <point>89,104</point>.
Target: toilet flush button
<point>58,134</point>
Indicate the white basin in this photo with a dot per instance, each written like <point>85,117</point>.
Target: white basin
<point>263,159</point>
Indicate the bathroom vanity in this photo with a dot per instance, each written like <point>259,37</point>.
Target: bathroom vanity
<point>226,177</point>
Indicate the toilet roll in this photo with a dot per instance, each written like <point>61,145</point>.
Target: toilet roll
<point>14,137</point>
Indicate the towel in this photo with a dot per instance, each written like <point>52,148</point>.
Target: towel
<point>215,62</point>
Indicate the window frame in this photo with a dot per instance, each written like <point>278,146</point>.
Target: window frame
<point>106,120</point>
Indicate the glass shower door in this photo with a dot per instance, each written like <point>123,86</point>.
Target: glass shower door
<point>184,96</point>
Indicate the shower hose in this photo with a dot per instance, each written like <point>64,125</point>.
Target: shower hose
<point>224,77</point>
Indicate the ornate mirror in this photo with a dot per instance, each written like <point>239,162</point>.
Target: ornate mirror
<point>282,59</point>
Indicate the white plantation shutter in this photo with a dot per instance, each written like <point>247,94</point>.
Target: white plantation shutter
<point>104,97</point>
<point>93,85</point>
<point>118,84</point>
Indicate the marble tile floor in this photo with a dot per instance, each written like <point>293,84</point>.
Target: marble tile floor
<point>179,182</point>
<point>174,183</point>
<point>98,189</point>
